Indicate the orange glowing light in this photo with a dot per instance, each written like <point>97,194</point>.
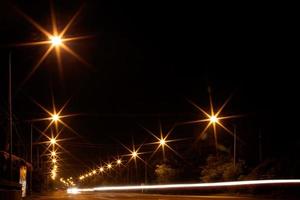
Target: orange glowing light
<point>55,39</point>
<point>213,118</point>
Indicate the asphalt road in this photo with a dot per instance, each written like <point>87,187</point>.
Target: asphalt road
<point>62,195</point>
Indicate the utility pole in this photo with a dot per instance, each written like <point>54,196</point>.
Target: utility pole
<point>260,145</point>
<point>10,118</point>
<point>30,183</point>
<point>146,173</point>
<point>234,146</point>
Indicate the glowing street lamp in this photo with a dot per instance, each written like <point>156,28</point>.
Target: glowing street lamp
<point>55,117</point>
<point>162,142</point>
<point>119,161</point>
<point>53,174</point>
<point>94,171</point>
<point>53,153</point>
<point>56,40</point>
<point>134,154</point>
<point>101,169</point>
<point>213,118</point>
<point>54,160</point>
<point>109,166</point>
<point>53,141</point>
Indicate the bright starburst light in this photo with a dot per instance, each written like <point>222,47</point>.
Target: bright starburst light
<point>213,118</point>
<point>163,141</point>
<point>56,40</point>
<point>55,116</point>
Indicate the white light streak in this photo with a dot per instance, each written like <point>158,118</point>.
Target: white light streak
<point>73,191</point>
<point>190,185</point>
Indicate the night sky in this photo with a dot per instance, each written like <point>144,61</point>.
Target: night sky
<point>147,59</point>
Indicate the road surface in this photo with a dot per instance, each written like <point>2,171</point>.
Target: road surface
<point>62,195</point>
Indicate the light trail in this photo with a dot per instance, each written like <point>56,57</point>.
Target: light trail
<point>189,185</point>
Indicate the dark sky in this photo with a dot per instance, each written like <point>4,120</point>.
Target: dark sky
<point>147,58</point>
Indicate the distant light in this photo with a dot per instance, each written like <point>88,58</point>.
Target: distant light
<point>101,169</point>
<point>134,154</point>
<point>119,161</point>
<point>109,166</point>
<point>55,167</point>
<point>56,40</point>
<point>213,119</point>
<point>162,142</point>
<point>94,171</point>
<point>90,174</point>
<point>54,160</point>
<point>55,117</point>
<point>53,153</point>
<point>52,141</point>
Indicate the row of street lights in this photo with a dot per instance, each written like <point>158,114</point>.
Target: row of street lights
<point>134,154</point>
<point>212,119</point>
<point>57,41</point>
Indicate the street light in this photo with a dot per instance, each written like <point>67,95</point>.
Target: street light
<point>119,161</point>
<point>53,141</point>
<point>134,154</point>
<point>56,40</point>
<point>101,169</point>
<point>55,117</point>
<point>53,153</point>
<point>162,142</point>
<point>109,166</point>
<point>54,160</point>
<point>213,119</point>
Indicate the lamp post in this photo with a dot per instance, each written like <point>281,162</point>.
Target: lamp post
<point>234,146</point>
<point>30,179</point>
<point>134,155</point>
<point>10,119</point>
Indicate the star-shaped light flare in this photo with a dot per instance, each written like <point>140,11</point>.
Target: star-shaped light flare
<point>55,40</point>
<point>134,153</point>
<point>55,116</point>
<point>213,118</point>
<point>163,141</point>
